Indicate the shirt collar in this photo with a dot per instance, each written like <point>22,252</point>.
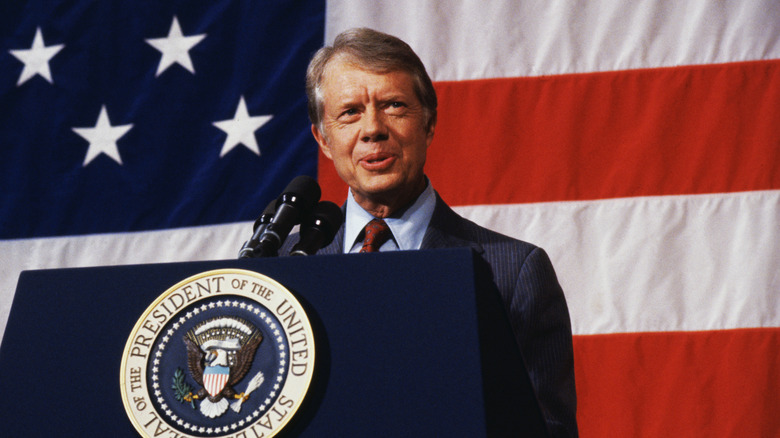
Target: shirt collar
<point>408,229</point>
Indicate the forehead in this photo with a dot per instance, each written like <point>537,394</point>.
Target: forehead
<point>343,77</point>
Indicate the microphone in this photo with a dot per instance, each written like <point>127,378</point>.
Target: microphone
<point>248,250</point>
<point>319,230</point>
<point>296,202</point>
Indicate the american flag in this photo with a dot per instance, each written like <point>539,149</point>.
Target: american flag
<point>147,131</point>
<point>637,142</point>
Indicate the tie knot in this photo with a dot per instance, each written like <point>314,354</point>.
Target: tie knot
<point>376,233</point>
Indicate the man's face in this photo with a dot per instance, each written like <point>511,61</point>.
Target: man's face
<point>374,130</point>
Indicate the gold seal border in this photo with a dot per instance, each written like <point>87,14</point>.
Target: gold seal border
<point>276,286</point>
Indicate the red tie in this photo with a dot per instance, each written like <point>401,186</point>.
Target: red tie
<point>377,233</point>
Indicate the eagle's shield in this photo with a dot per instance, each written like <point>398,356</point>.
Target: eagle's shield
<point>215,378</point>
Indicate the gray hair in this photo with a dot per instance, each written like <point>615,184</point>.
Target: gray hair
<point>377,52</point>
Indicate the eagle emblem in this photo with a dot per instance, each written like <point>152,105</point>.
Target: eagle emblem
<point>220,352</point>
<point>212,357</point>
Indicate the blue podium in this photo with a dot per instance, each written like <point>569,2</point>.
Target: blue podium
<point>407,344</point>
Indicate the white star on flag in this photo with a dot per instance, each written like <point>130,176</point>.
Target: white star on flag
<point>103,137</point>
<point>241,129</point>
<point>175,48</point>
<point>36,58</point>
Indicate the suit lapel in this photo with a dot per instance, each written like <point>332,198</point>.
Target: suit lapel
<point>446,229</point>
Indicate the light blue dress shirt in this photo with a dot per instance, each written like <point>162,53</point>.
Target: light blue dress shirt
<point>408,229</point>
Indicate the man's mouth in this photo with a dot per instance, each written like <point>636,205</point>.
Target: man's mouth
<point>377,161</point>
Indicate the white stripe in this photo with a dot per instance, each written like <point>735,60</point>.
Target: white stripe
<point>185,244</point>
<point>666,263</point>
<point>699,262</point>
<point>476,39</point>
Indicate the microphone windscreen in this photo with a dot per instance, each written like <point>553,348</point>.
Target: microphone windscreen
<point>319,229</point>
<point>266,216</point>
<point>305,188</point>
<point>331,214</point>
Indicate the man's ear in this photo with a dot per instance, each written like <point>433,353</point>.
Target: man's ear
<point>321,141</point>
<point>429,135</point>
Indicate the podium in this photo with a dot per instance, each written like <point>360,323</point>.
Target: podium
<point>407,344</point>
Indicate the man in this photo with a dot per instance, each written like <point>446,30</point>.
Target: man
<point>373,112</point>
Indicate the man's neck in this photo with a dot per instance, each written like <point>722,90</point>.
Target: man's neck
<point>392,204</point>
<point>408,224</point>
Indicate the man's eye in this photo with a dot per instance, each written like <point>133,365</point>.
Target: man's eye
<point>397,104</point>
<point>349,112</point>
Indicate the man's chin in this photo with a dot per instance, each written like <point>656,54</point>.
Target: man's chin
<point>379,184</point>
<point>387,191</point>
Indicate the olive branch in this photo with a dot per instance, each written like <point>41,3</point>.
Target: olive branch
<point>182,388</point>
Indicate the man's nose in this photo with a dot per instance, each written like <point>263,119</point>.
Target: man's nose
<point>374,126</point>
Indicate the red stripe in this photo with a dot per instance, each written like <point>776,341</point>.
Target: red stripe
<point>666,131</point>
<point>333,188</point>
<point>713,384</point>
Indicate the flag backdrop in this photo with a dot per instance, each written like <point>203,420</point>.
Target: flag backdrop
<point>637,142</point>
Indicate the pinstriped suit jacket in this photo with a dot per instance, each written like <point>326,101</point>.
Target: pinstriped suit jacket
<point>529,289</point>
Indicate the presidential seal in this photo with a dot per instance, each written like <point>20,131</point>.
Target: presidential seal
<point>225,353</point>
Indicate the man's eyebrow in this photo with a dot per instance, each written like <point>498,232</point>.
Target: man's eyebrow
<point>347,104</point>
<point>394,97</point>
